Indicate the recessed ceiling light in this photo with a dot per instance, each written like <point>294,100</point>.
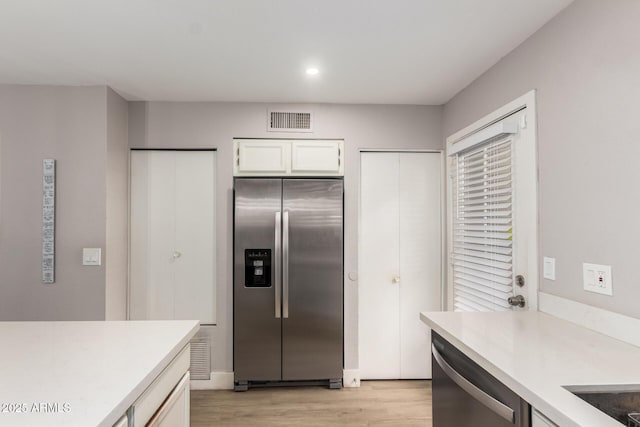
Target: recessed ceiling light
<point>312,71</point>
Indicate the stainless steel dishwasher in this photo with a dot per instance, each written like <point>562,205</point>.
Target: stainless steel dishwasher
<point>464,394</point>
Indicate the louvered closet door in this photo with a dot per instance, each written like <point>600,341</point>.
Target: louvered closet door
<point>488,248</point>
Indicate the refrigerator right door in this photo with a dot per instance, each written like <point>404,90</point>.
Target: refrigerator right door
<point>312,298</point>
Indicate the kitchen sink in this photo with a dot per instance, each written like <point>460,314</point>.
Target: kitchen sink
<point>621,402</point>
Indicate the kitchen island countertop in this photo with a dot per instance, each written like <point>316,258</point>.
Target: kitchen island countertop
<point>536,355</point>
<point>82,373</point>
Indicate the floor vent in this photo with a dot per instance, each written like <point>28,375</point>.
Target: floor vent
<point>289,121</point>
<point>200,358</point>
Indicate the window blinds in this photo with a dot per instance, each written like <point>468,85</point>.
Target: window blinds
<point>482,250</point>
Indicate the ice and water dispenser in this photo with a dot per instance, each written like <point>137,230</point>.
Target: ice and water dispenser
<point>257,268</point>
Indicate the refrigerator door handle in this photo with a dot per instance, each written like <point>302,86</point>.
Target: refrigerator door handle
<point>278,251</point>
<point>285,266</point>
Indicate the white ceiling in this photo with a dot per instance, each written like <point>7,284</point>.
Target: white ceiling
<point>368,51</point>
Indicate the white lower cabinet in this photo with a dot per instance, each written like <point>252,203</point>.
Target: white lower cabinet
<point>539,420</point>
<point>122,422</point>
<point>166,401</point>
<point>175,410</point>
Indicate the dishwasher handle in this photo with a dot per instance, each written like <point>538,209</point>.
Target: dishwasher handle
<point>495,405</point>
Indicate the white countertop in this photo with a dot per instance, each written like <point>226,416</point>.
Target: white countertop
<point>95,370</point>
<point>536,354</point>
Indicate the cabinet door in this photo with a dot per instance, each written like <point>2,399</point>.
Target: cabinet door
<point>175,410</point>
<point>165,388</point>
<point>122,422</point>
<point>539,420</point>
<point>316,157</point>
<point>262,157</point>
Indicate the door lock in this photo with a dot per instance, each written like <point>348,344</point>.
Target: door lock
<point>517,301</point>
<point>520,280</point>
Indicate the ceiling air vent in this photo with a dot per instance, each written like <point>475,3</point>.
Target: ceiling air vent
<point>289,121</point>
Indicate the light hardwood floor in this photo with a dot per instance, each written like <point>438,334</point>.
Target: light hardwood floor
<point>389,403</point>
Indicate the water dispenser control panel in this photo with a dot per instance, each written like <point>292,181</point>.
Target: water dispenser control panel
<point>257,268</point>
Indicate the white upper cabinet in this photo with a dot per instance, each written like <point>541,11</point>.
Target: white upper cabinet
<point>259,157</point>
<point>269,157</point>
<point>310,157</point>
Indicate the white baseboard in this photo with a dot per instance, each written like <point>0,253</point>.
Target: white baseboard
<point>351,378</point>
<point>218,381</point>
<point>618,326</point>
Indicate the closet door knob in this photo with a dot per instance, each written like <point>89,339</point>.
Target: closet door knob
<point>396,279</point>
<point>177,255</point>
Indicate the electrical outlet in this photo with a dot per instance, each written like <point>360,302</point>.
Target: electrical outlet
<point>549,268</point>
<point>597,278</point>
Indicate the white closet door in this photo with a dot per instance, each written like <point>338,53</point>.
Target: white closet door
<point>420,257</point>
<point>172,235</point>
<point>194,245</point>
<point>379,331</point>
<point>152,209</point>
<point>400,262</point>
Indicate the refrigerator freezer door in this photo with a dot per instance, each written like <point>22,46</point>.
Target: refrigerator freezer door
<point>312,332</point>
<point>257,328</point>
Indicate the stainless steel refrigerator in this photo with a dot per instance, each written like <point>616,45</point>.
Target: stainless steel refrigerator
<point>288,281</point>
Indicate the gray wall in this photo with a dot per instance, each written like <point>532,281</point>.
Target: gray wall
<point>69,125</point>
<point>585,66</point>
<point>214,125</point>
<point>117,192</point>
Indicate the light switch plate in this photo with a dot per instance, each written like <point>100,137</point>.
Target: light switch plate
<point>597,278</point>
<point>549,268</point>
<point>91,256</point>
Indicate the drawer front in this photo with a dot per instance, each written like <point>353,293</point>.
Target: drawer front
<point>152,398</point>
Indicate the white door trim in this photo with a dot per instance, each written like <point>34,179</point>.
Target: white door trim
<point>528,101</point>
